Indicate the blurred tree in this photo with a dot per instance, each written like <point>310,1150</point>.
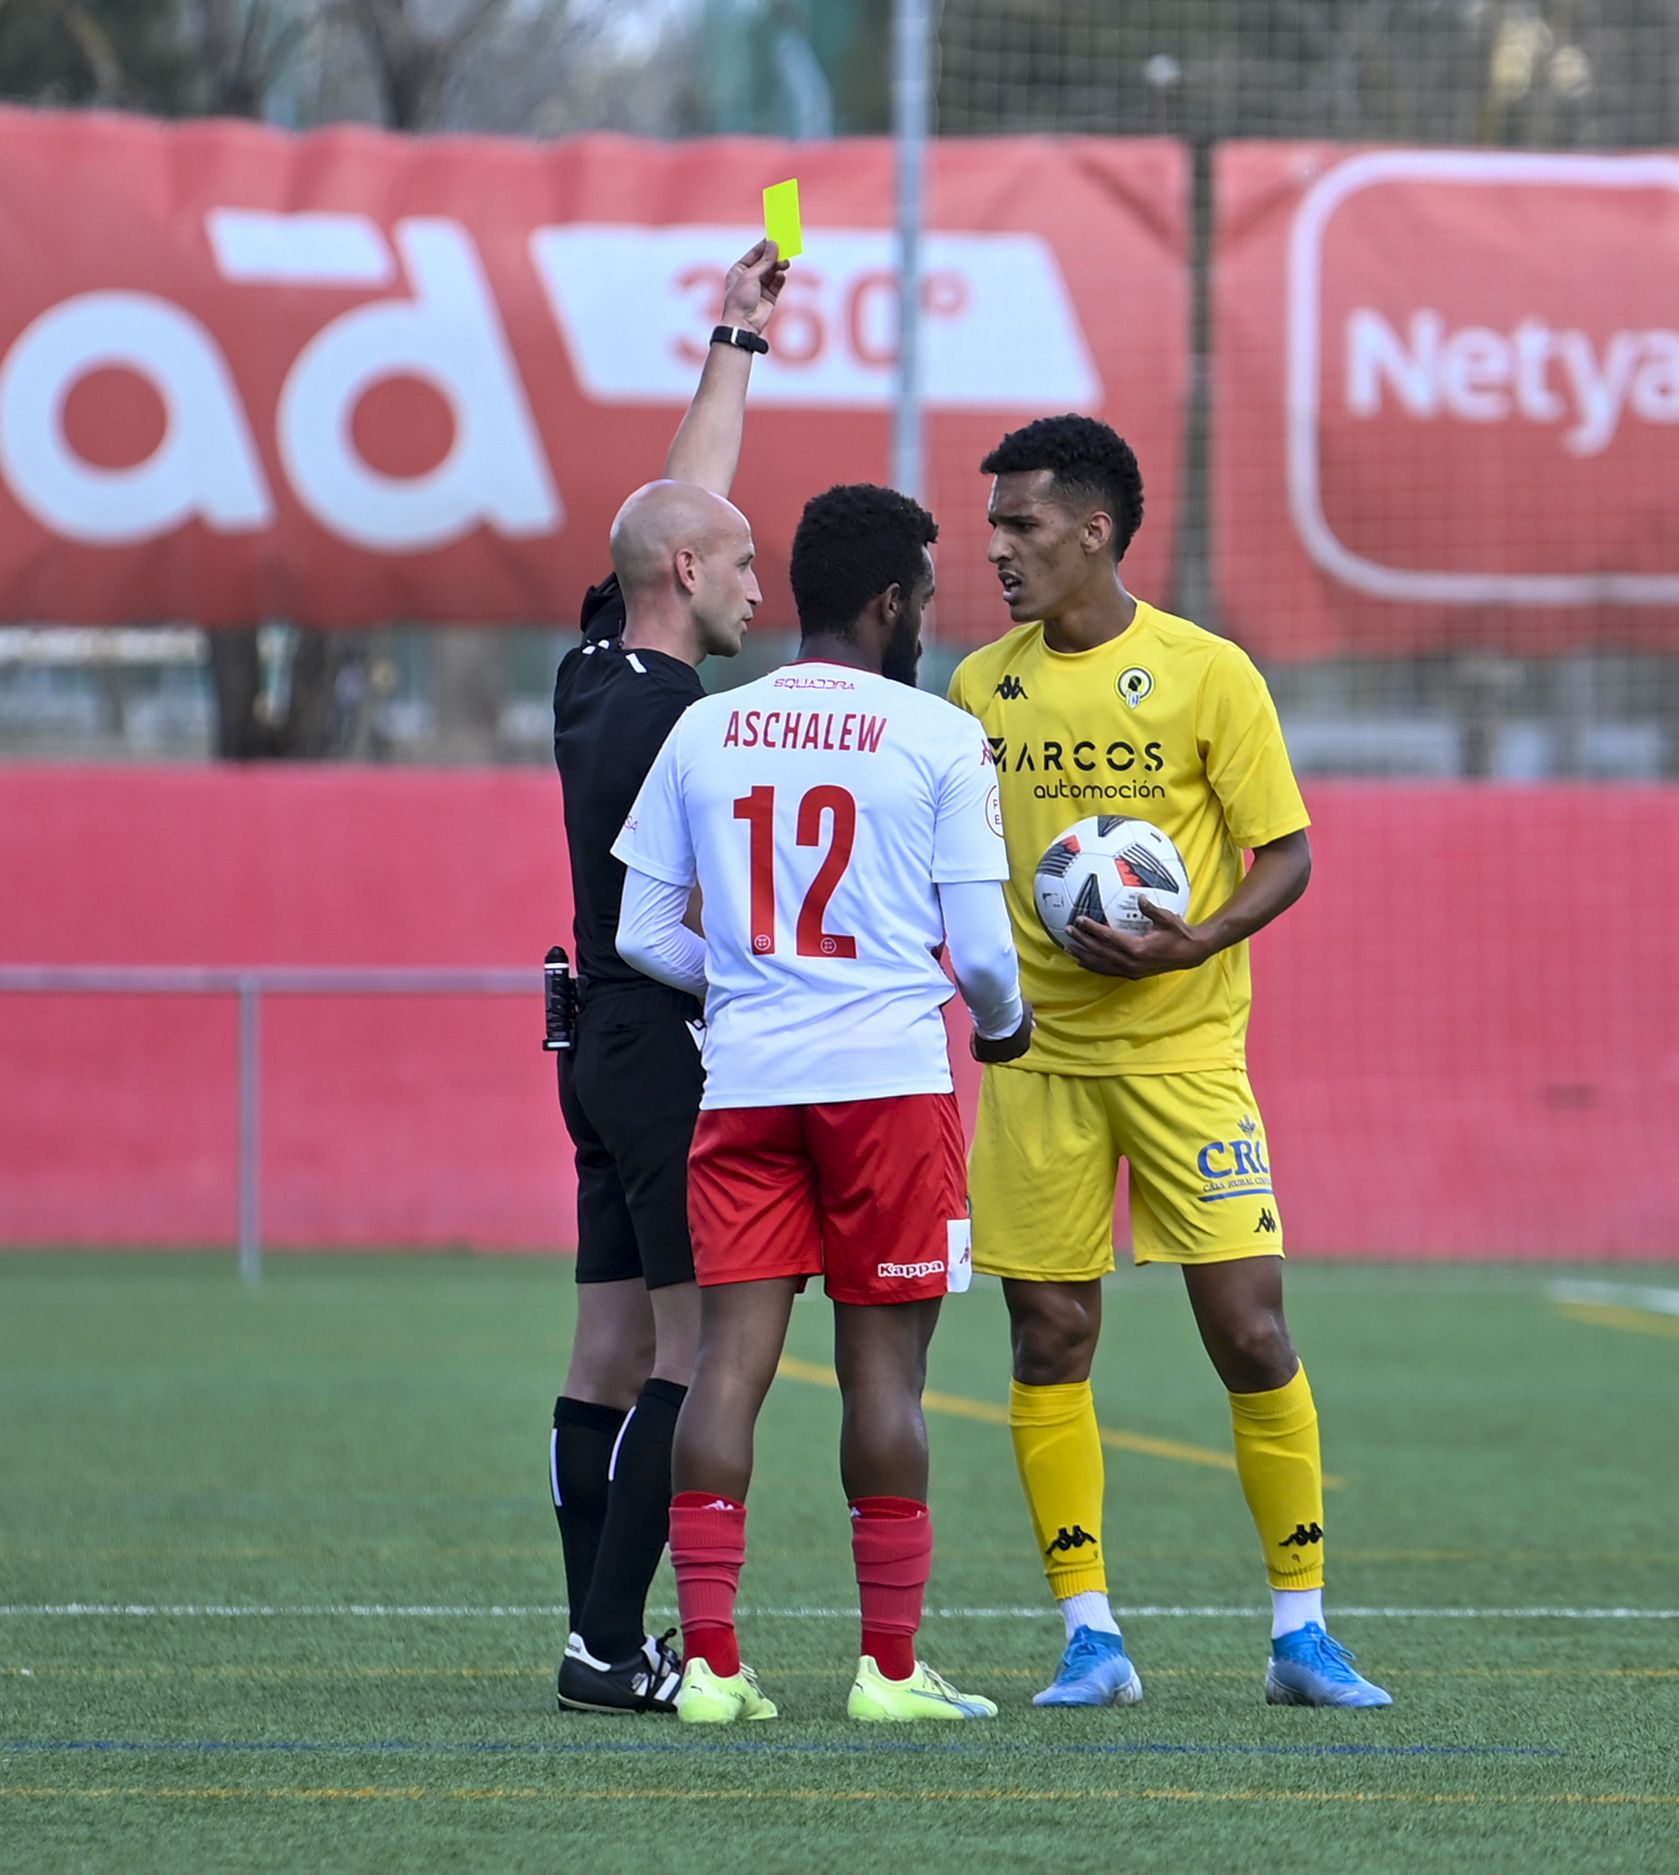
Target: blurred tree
<point>413,54</point>
<point>797,68</point>
<point>109,53</point>
<point>242,49</point>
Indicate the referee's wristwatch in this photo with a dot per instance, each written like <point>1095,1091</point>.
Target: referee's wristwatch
<point>742,337</point>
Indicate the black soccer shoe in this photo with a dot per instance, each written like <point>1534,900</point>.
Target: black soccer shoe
<point>646,1682</point>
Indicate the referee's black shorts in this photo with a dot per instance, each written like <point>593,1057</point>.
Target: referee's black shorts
<point>630,1092</point>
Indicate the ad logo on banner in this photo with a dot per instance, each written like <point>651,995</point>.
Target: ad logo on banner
<point>439,325</point>
<point>1483,377</point>
<point>351,377</point>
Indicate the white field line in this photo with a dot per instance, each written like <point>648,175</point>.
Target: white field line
<point>1619,1296</point>
<point>447,1611</point>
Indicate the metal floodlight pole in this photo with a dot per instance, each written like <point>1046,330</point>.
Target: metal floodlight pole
<point>912,113</point>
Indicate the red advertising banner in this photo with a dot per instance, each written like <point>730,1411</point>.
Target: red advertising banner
<point>349,377</point>
<point>1446,394</point>
<point>1465,1099</point>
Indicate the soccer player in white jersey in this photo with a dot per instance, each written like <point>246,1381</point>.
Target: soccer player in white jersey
<point>842,827</point>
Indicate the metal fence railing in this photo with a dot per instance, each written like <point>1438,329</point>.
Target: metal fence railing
<point>249,984</point>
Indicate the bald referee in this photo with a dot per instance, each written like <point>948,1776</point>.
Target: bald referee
<point>682,589</point>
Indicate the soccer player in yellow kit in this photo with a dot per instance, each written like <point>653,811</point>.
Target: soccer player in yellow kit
<point>1099,703</point>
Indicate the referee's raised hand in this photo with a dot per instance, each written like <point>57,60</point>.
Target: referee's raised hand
<point>753,285</point>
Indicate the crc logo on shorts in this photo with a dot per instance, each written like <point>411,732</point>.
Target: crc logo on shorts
<point>1235,1168</point>
<point>910,1270</point>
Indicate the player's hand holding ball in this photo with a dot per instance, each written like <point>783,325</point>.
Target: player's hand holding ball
<point>1112,891</point>
<point>1172,944</point>
<point>1005,1047</point>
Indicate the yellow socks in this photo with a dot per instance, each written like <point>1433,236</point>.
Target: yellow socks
<point>1059,1452</point>
<point>1282,1479</point>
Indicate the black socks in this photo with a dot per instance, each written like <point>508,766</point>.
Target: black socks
<point>579,1457</point>
<point>636,1527</point>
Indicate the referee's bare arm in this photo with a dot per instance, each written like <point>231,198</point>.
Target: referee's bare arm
<point>706,447</point>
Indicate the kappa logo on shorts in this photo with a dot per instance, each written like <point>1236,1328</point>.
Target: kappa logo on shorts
<point>1266,1222</point>
<point>909,1269</point>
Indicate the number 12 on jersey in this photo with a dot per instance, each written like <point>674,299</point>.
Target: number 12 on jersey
<point>757,809</point>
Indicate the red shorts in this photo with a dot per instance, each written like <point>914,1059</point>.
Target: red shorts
<point>863,1193</point>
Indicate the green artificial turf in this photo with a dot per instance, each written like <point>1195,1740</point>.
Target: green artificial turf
<point>373,1433</point>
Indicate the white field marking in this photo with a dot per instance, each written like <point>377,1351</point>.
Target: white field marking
<point>1618,1295</point>
<point>449,1611</point>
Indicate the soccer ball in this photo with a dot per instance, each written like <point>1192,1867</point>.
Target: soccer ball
<point>1100,867</point>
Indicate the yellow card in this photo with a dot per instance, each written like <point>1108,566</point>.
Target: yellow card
<point>781,218</point>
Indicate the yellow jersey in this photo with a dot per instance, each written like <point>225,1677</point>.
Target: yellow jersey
<point>1165,723</point>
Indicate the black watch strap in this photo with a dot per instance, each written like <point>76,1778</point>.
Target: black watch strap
<point>742,336</point>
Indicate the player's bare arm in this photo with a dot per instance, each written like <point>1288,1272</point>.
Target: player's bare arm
<point>1277,877</point>
<point>706,447</point>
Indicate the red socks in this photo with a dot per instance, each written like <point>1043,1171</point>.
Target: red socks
<point>707,1548</point>
<point>892,1546</point>
<point>891,1543</point>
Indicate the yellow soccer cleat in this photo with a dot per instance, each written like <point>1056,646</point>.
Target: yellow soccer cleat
<point>706,1698</point>
<point>877,1700</point>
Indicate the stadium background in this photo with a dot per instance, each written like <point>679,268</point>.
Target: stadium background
<point>280,1582</point>
<point>1405,402</point>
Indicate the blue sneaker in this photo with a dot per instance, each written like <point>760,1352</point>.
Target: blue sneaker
<point>1093,1672</point>
<point>1309,1669</point>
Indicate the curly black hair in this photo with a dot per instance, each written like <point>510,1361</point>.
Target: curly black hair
<point>851,544</point>
<point>1089,461</point>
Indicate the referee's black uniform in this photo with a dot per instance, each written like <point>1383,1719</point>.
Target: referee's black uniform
<point>630,1088</point>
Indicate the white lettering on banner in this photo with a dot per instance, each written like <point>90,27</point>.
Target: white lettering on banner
<point>1565,377</point>
<point>300,250</point>
<point>1484,376</point>
<point>206,465</point>
<point>451,336</point>
<point>1000,329</point>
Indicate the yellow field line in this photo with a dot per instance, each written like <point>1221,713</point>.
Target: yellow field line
<point>1610,1315</point>
<point>560,1793</point>
<point>958,1406</point>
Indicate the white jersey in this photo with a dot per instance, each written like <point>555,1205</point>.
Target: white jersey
<point>817,810</point>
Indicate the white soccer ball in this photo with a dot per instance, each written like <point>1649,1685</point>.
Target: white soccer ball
<point>1100,867</point>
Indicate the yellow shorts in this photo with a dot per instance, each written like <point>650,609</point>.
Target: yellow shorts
<point>1045,1166</point>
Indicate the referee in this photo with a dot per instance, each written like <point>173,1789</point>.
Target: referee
<point>682,588</point>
